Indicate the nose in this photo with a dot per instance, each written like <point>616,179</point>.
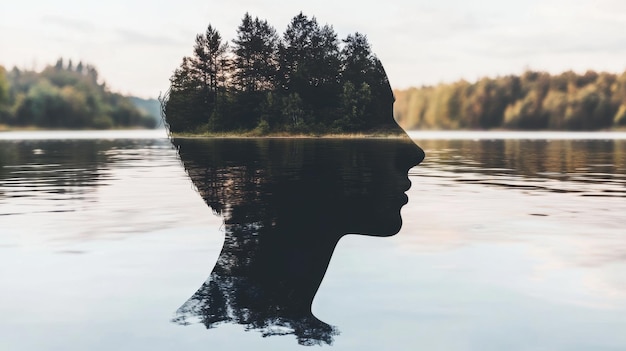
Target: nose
<point>409,154</point>
<point>419,154</point>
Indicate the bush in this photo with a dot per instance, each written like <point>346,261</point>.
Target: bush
<point>263,128</point>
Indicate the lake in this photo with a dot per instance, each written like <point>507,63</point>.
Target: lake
<point>509,241</point>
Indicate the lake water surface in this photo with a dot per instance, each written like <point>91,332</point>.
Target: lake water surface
<point>510,241</point>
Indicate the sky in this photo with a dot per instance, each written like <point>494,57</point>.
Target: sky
<point>137,44</point>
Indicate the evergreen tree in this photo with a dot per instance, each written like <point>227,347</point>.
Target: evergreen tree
<point>59,64</point>
<point>206,64</point>
<point>296,55</point>
<point>324,75</point>
<point>255,67</point>
<point>361,68</point>
<point>255,62</point>
<point>310,66</point>
<point>357,59</point>
<point>197,84</point>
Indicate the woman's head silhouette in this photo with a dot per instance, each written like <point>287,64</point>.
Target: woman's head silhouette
<point>286,202</point>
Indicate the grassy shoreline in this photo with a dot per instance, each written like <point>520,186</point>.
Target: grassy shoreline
<point>252,135</point>
<point>359,135</point>
<point>233,135</point>
<point>384,134</point>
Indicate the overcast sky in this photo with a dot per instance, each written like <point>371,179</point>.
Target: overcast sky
<point>136,44</point>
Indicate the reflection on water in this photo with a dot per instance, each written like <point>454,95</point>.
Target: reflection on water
<point>585,167</point>
<point>99,253</point>
<point>90,180</point>
<point>51,170</point>
<point>286,203</point>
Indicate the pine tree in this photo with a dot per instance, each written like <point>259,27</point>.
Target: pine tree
<point>255,62</point>
<point>206,63</point>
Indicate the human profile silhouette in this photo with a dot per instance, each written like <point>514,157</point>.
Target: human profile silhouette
<point>286,203</point>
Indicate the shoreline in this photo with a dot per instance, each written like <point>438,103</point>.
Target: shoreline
<point>283,135</point>
<point>5,128</point>
<point>380,135</point>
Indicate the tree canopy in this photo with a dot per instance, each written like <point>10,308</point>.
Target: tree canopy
<point>305,81</point>
<point>532,101</point>
<point>65,95</point>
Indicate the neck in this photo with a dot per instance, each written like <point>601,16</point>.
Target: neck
<point>264,278</point>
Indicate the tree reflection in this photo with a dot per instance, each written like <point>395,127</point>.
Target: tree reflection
<point>595,167</point>
<point>49,168</point>
<point>286,203</point>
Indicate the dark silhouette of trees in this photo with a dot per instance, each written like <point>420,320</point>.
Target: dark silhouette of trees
<point>532,101</point>
<point>65,96</point>
<point>199,83</point>
<point>365,85</point>
<point>311,68</point>
<point>255,61</point>
<point>307,81</point>
<point>254,72</point>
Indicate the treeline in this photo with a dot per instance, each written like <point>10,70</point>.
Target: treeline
<point>305,81</point>
<point>65,96</point>
<point>532,101</point>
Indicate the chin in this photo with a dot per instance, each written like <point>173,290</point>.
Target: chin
<point>383,227</point>
<point>394,228</point>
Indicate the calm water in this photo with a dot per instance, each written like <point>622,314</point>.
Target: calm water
<point>509,242</point>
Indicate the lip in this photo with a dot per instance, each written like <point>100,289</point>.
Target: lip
<point>408,185</point>
<point>405,199</point>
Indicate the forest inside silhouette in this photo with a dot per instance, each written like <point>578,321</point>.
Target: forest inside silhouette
<point>68,96</point>
<point>305,81</point>
<point>531,101</point>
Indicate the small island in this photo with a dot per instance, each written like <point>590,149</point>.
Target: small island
<point>306,82</point>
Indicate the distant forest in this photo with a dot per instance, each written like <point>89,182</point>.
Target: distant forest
<point>67,96</point>
<point>532,101</point>
<point>305,81</point>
